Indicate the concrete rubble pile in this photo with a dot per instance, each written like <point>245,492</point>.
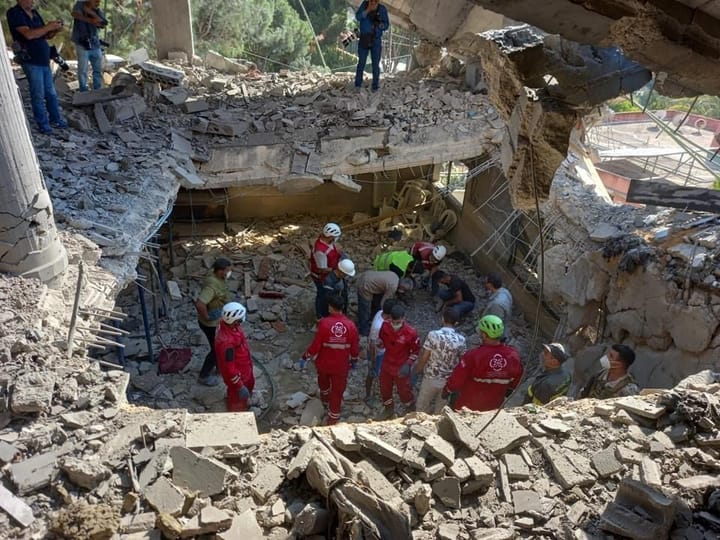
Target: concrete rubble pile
<point>653,272</point>
<point>642,467</point>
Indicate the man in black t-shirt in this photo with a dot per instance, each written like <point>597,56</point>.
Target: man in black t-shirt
<point>30,33</point>
<point>456,295</point>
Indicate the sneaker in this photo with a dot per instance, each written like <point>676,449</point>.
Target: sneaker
<point>47,130</point>
<point>61,124</point>
<point>210,380</point>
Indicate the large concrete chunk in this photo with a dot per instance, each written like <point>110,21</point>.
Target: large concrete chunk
<point>32,392</point>
<point>164,497</point>
<point>200,474</point>
<point>448,491</point>
<point>36,472</point>
<point>639,512</point>
<point>84,473</point>
<point>461,429</point>
<point>125,109</point>
<point>267,481</point>
<point>605,462</point>
<point>16,508</point>
<point>221,429</point>
<point>526,501</point>
<point>569,467</point>
<point>441,449</point>
<point>244,527</point>
<point>640,407</point>
<point>378,446</point>
<point>499,434</point>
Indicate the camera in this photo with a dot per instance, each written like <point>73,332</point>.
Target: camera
<point>59,60</point>
<point>349,36</point>
<point>20,54</point>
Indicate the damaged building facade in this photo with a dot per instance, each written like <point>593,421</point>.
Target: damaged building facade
<point>186,143</point>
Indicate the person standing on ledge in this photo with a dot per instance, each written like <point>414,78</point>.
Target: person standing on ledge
<point>88,17</point>
<point>373,19</point>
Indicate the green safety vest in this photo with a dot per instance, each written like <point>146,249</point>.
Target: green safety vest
<point>401,259</point>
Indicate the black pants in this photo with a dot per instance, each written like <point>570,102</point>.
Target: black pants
<point>209,364</point>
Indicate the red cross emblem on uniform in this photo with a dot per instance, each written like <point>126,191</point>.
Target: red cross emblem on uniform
<point>498,362</point>
<point>338,330</point>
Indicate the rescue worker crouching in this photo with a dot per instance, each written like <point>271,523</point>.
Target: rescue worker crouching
<point>335,284</point>
<point>429,256</point>
<point>335,349</point>
<point>233,357</point>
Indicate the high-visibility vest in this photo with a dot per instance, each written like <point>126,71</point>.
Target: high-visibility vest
<point>401,259</point>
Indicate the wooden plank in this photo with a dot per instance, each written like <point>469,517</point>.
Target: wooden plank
<point>378,219</point>
<point>674,196</point>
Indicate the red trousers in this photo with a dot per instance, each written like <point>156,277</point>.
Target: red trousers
<point>332,386</point>
<point>404,388</point>
<point>234,403</point>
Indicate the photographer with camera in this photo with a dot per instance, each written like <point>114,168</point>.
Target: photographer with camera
<point>373,20</point>
<point>87,18</point>
<point>32,52</point>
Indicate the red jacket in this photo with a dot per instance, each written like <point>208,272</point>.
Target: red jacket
<point>401,346</point>
<point>232,338</point>
<point>484,375</point>
<point>333,258</point>
<point>422,251</point>
<point>336,341</point>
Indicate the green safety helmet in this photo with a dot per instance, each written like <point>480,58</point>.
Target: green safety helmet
<point>492,325</point>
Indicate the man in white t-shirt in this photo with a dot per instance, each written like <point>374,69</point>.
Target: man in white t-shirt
<point>376,353</point>
<point>440,354</point>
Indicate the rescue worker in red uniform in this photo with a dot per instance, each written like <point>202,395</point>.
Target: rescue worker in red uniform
<point>402,345</point>
<point>429,256</point>
<point>323,260</point>
<point>233,357</point>
<point>486,374</point>
<point>335,348</point>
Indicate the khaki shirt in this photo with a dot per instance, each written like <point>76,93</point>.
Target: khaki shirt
<point>214,294</point>
<point>375,282</point>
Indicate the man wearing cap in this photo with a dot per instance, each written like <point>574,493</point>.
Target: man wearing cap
<point>335,348</point>
<point>487,374</point>
<point>613,379</point>
<point>209,303</point>
<point>335,284</point>
<point>555,380</point>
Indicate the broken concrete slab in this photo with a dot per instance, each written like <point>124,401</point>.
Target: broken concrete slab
<point>480,470</point>
<point>701,481</point>
<point>244,527</point>
<point>650,472</point>
<point>370,442</point>
<point>554,425</point>
<point>344,438</point>
<point>641,408</point>
<point>32,392</point>
<point>376,481</point>
<point>221,429</point>
<point>158,465</point>
<point>654,520</point>
<point>137,522</point>
<point>569,467</point>
<point>448,491</point>
<point>7,452</point>
<point>192,106</point>
<point>102,95</point>
<point>441,449</point>
<point>605,462</point>
<point>498,434</point>
<point>210,520</point>
<point>101,118</point>
<point>492,533</point>
<point>267,481</point>
<point>36,472</point>
<point>517,469</point>
<point>164,497</point>
<point>415,453</point>
<point>16,507</point>
<point>204,475</point>
<point>85,473</point>
<point>313,413</point>
<point>302,459</point>
<point>526,501</point>
<point>460,470</point>
<point>123,109</point>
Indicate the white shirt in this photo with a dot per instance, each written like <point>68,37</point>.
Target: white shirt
<point>375,330</point>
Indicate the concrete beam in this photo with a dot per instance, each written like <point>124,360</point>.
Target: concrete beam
<point>172,20</point>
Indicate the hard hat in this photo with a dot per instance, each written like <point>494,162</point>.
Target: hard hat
<point>332,229</point>
<point>492,325</point>
<point>439,253</point>
<point>233,312</point>
<point>347,267</point>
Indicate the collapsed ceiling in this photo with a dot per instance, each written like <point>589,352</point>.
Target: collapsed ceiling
<point>678,37</point>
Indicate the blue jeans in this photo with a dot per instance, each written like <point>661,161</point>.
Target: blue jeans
<point>95,57</point>
<point>375,52</point>
<point>42,92</point>
<point>463,308</point>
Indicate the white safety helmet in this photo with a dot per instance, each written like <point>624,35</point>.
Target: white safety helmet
<point>233,312</point>
<point>347,267</point>
<point>439,253</point>
<point>332,229</point>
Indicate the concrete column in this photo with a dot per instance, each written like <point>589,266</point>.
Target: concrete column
<point>29,242</point>
<point>172,20</point>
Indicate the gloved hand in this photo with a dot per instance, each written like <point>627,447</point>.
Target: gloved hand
<point>215,314</point>
<point>243,393</point>
<point>404,371</point>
